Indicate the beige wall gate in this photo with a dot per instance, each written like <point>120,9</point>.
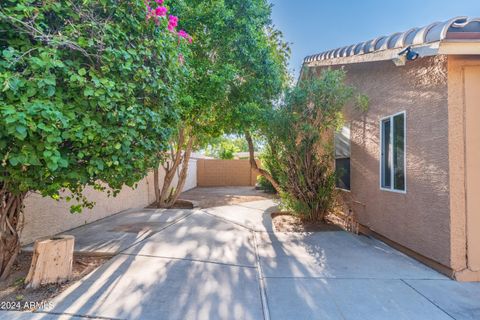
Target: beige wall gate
<point>219,173</point>
<point>472,116</point>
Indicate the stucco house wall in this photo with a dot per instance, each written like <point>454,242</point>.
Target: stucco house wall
<point>420,218</point>
<point>46,217</point>
<point>464,146</point>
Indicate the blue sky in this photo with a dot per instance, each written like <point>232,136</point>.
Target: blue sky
<point>313,26</point>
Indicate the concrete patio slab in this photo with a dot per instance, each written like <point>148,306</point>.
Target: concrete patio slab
<point>354,299</point>
<point>199,265</point>
<point>460,300</point>
<point>201,237</point>
<point>290,298</point>
<point>267,206</point>
<point>335,254</point>
<point>252,215</point>
<point>137,287</point>
<point>120,231</point>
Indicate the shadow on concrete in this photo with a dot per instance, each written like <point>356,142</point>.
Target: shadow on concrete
<point>213,265</point>
<point>198,268</point>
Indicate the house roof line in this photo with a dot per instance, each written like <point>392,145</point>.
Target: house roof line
<point>429,36</point>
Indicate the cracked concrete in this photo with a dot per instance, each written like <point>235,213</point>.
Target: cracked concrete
<point>229,263</point>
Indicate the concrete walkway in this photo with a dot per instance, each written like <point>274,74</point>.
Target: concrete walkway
<point>228,263</point>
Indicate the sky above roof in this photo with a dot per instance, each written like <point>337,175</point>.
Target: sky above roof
<point>314,26</point>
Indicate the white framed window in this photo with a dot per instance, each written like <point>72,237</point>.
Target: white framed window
<point>393,153</point>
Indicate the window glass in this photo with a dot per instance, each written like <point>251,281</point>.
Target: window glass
<point>386,164</point>
<point>342,143</point>
<point>393,153</point>
<point>342,158</point>
<point>342,170</point>
<point>399,152</point>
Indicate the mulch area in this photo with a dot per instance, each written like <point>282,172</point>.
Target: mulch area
<point>208,197</point>
<point>219,199</point>
<point>14,295</point>
<point>211,201</point>
<point>180,204</point>
<point>287,222</point>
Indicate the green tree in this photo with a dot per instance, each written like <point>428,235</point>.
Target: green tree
<point>254,99</point>
<point>233,53</point>
<point>226,145</point>
<point>300,150</point>
<point>227,151</point>
<point>86,99</point>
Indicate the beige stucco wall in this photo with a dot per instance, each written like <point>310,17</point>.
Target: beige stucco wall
<point>420,218</point>
<point>46,217</point>
<point>464,145</point>
<point>217,173</point>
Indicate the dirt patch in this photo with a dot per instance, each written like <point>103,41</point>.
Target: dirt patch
<point>179,204</point>
<point>223,196</point>
<point>14,295</point>
<point>218,202</point>
<point>286,222</point>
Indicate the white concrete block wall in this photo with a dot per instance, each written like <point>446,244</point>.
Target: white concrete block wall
<point>192,175</point>
<point>45,216</point>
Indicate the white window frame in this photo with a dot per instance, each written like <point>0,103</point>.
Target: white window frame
<point>392,183</point>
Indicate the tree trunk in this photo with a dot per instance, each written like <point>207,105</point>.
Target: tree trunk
<point>254,166</point>
<point>156,185</point>
<point>183,174</point>
<point>166,197</point>
<point>11,224</point>
<point>170,168</point>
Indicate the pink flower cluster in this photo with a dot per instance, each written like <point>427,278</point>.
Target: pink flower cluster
<point>172,22</point>
<point>185,35</point>
<point>156,13</point>
<point>160,12</point>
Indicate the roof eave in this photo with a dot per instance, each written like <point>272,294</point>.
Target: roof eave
<point>385,55</point>
<point>444,47</point>
<point>460,47</point>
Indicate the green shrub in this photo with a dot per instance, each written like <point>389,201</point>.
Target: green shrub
<point>265,185</point>
<point>300,153</point>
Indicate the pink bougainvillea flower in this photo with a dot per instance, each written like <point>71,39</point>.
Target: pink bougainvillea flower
<point>159,1</point>
<point>185,35</point>
<point>173,20</point>
<point>161,11</point>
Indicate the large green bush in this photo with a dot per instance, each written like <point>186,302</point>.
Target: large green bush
<point>87,92</point>
<point>300,144</point>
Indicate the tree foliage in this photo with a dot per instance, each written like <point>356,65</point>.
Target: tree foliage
<point>87,92</point>
<point>224,146</point>
<point>237,68</point>
<point>300,154</point>
<point>260,85</point>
